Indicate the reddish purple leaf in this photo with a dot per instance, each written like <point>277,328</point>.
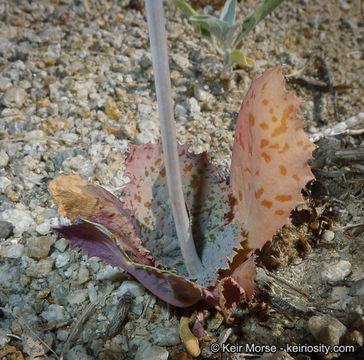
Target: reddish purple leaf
<point>95,240</point>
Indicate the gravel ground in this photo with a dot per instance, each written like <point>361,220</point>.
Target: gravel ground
<point>76,89</point>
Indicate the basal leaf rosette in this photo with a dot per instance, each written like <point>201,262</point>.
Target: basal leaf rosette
<point>229,222</point>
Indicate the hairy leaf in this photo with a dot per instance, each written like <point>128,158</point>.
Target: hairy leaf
<point>228,12</point>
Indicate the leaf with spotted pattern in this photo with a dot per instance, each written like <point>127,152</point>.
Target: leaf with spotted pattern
<point>268,170</point>
<point>269,161</point>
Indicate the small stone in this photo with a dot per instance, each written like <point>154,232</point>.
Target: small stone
<point>43,228</point>
<point>110,273</point>
<point>62,335</point>
<point>62,259</point>
<point>43,102</point>
<point>355,338</point>
<point>151,352</point>
<point>165,336</point>
<point>4,338</point>
<point>83,274</point>
<point>61,245</point>
<point>194,106</point>
<point>21,220</point>
<point>59,294</point>
<point>92,293</point>
<point>5,83</point>
<point>4,182</point>
<point>133,287</point>
<point>77,297</point>
<point>6,229</point>
<point>336,272</point>
<point>357,288</point>
<point>12,251</point>
<point>326,329</point>
<point>14,97</point>
<point>181,61</point>
<point>39,247</point>
<point>144,109</point>
<point>41,269</point>
<point>14,192</point>
<point>328,236</point>
<point>55,313</point>
<point>32,347</point>
<point>4,158</point>
<point>200,94</point>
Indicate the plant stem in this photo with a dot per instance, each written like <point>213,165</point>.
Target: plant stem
<point>158,42</point>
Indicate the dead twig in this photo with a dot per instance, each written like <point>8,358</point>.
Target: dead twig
<point>349,227</point>
<point>340,128</point>
<point>285,282</point>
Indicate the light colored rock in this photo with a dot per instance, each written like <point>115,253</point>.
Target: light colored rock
<point>4,158</point>
<point>194,106</point>
<point>5,83</point>
<point>77,297</point>
<point>61,244</point>
<point>83,274</point>
<point>92,293</point>
<point>62,335</point>
<point>134,288</point>
<point>43,228</point>
<point>12,251</point>
<point>336,272</point>
<point>326,329</point>
<point>110,273</point>
<point>21,220</point>
<point>328,236</point>
<point>4,182</point>
<point>14,97</point>
<point>4,338</point>
<point>151,352</point>
<point>56,313</point>
<point>62,259</point>
<point>167,335</point>
<point>32,347</point>
<point>181,61</point>
<point>38,247</point>
<point>40,269</point>
<point>144,109</point>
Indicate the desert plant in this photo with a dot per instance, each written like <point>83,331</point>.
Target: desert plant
<point>224,34</point>
<point>268,170</point>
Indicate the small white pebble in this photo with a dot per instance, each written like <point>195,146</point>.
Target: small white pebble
<point>336,272</point>
<point>328,236</point>
<point>43,229</point>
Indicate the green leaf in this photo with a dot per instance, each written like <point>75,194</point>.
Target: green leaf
<point>237,57</point>
<point>250,22</point>
<point>212,25</point>
<point>228,12</point>
<point>185,8</point>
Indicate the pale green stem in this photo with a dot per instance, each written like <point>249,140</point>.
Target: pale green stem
<point>158,42</point>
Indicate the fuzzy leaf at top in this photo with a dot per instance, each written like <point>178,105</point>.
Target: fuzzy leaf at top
<point>269,160</point>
